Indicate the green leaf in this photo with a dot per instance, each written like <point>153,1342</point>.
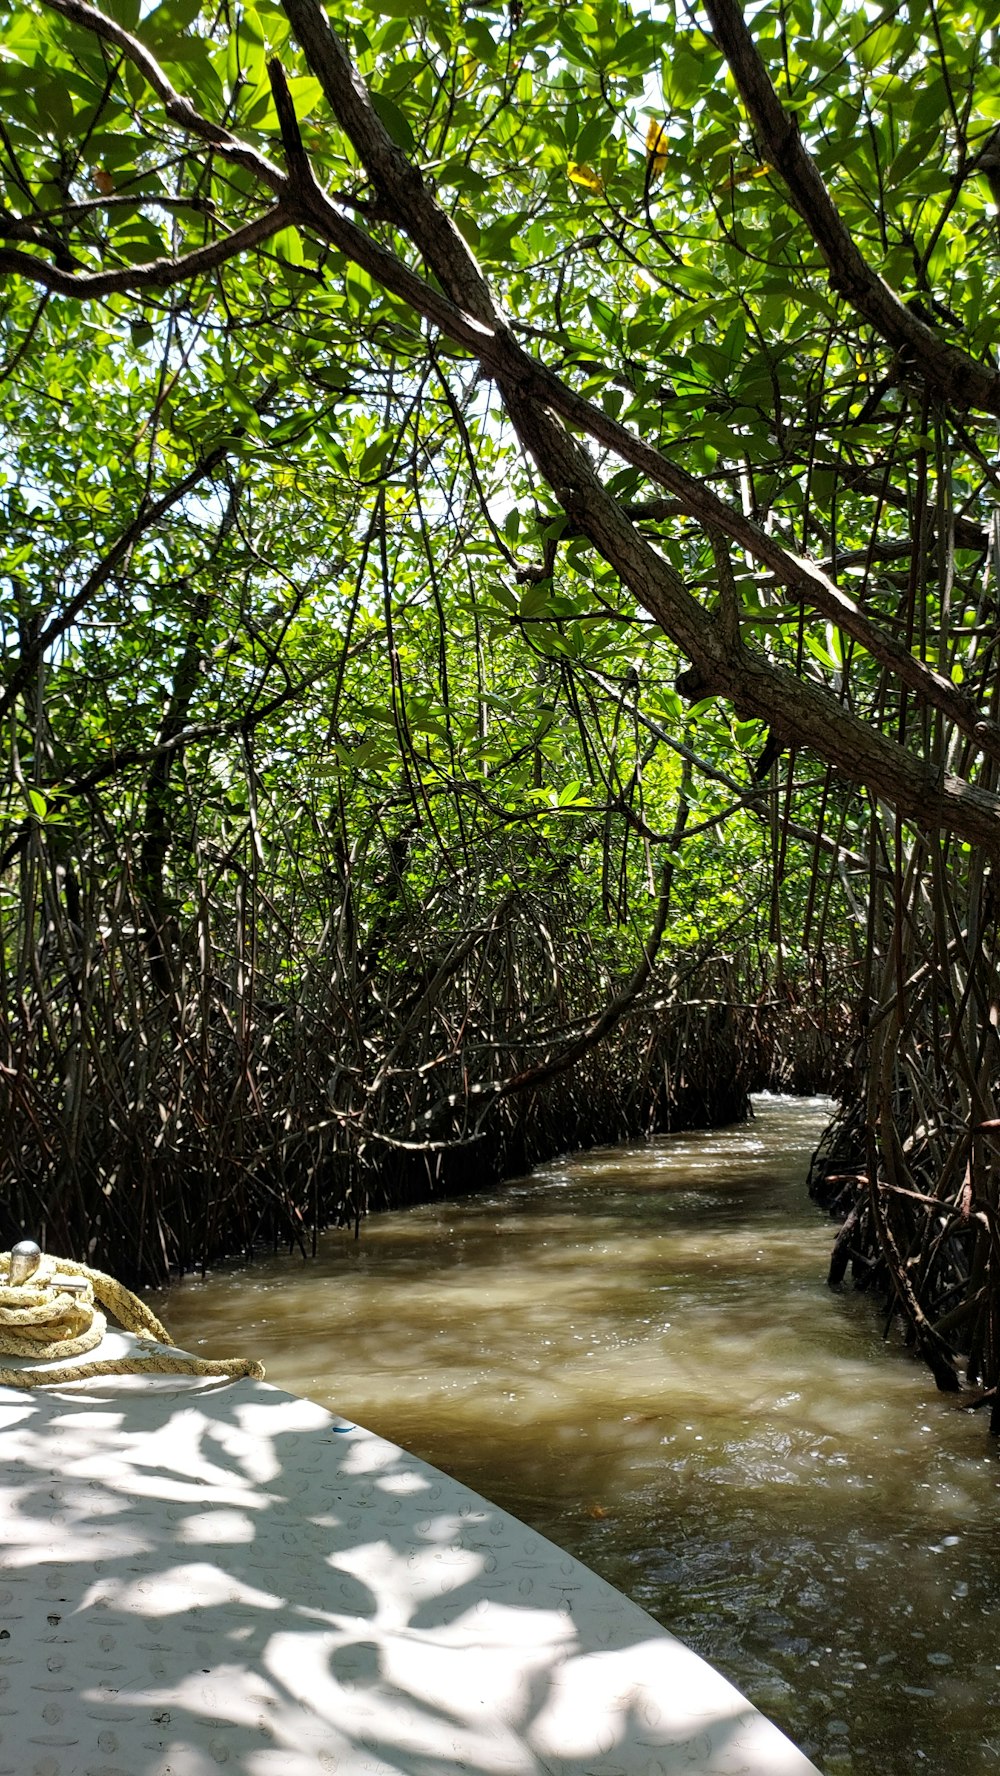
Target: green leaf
<point>395,121</point>
<point>535,600</point>
<point>376,455</point>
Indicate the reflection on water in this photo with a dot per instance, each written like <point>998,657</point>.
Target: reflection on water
<point>635,1351</point>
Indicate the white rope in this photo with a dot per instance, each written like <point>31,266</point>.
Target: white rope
<point>54,1314</point>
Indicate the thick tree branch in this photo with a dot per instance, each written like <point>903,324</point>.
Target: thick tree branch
<point>755,685</point>
<point>397,181</point>
<point>296,159</point>
<point>950,372</point>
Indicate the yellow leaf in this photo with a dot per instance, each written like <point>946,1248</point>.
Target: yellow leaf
<point>742,176</point>
<point>585,176</point>
<point>656,148</point>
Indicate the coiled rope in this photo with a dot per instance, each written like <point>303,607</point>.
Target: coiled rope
<point>53,1315</point>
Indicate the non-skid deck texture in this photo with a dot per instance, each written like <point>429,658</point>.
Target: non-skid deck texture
<point>201,1579</point>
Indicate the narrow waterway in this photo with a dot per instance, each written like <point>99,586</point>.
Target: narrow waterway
<point>634,1350</point>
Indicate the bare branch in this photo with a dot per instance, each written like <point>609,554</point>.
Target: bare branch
<point>154,274</point>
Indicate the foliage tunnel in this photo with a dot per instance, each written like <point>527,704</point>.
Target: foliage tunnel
<point>498,608</point>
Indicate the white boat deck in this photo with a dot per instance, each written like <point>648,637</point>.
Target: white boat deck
<point>198,1578</point>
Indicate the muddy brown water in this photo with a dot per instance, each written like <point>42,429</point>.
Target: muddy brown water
<point>634,1350</point>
